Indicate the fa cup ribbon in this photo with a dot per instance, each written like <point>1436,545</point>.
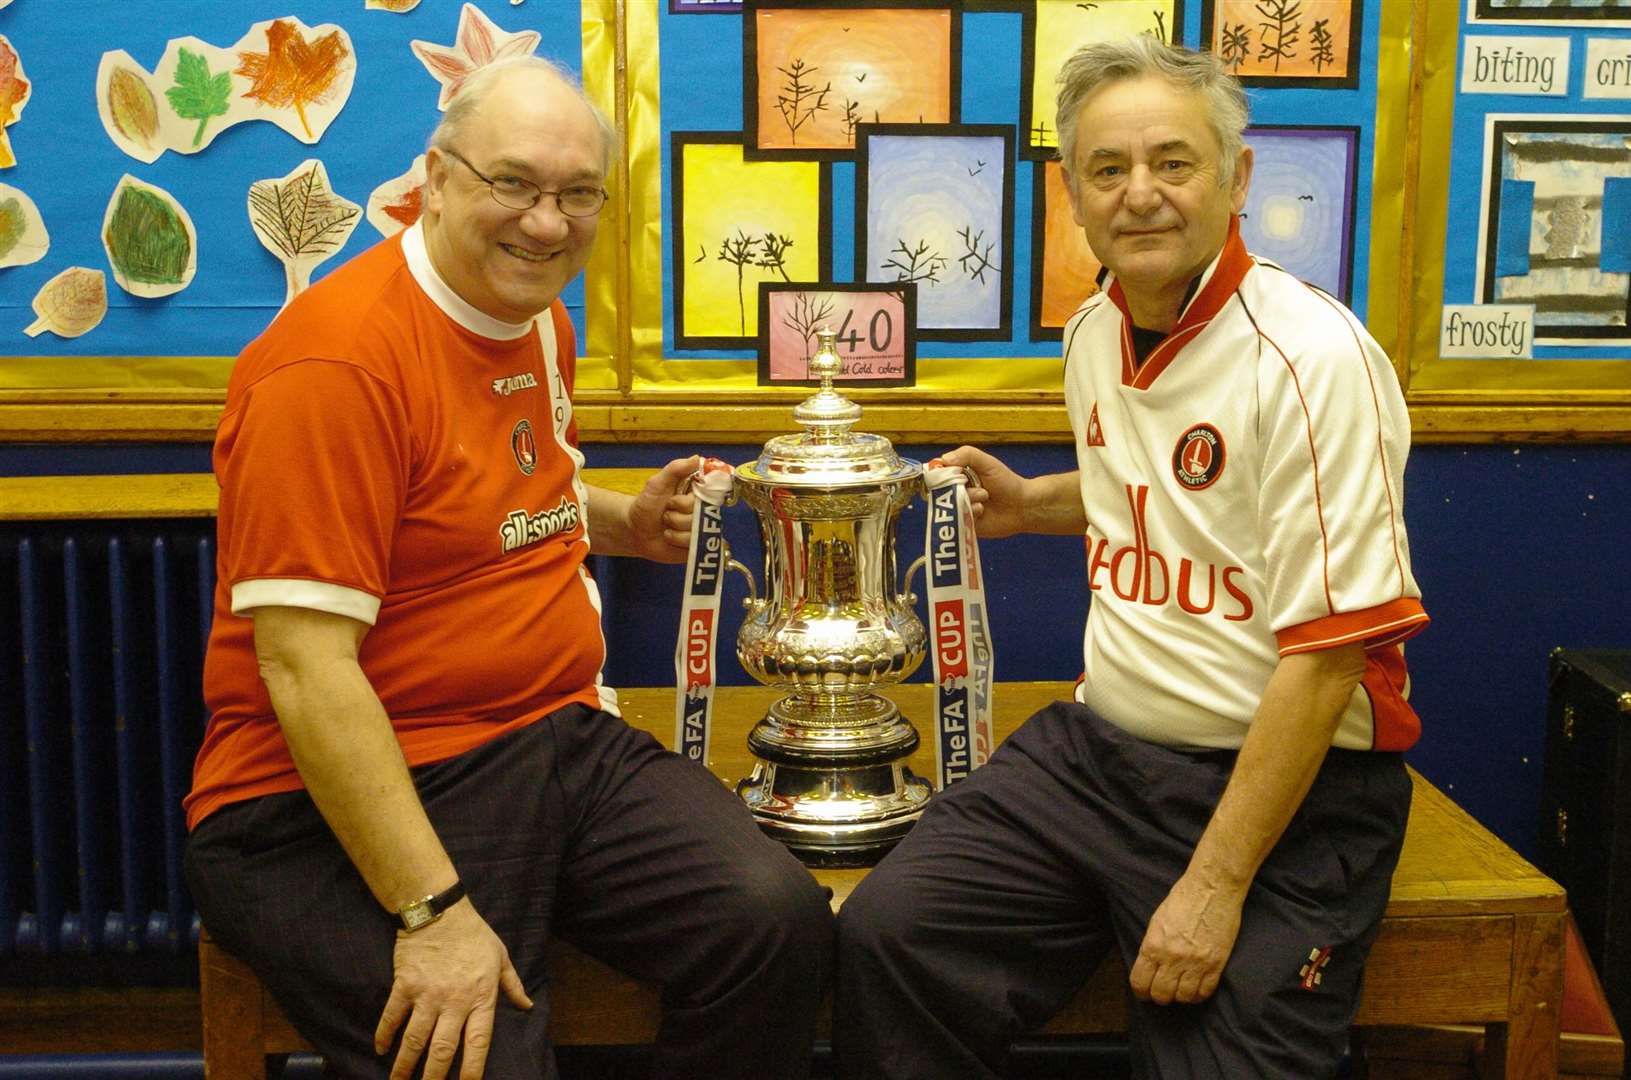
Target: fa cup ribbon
<point>699,611</point>
<point>957,624</point>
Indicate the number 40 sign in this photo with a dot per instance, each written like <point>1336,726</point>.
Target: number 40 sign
<point>874,324</point>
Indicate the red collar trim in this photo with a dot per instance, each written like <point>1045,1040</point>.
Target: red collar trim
<point>1221,280</point>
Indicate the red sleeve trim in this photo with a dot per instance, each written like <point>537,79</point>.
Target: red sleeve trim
<point>1376,627</point>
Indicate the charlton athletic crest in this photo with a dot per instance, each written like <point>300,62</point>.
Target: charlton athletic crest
<point>1197,460</point>
<point>524,447</point>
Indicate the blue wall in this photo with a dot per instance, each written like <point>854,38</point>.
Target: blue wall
<point>1518,550</point>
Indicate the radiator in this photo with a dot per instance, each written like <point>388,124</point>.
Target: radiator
<point>102,635</point>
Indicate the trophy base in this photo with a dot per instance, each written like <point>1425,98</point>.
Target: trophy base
<point>830,782</point>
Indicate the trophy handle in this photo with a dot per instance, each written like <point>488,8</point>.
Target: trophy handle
<point>752,599</point>
<point>907,596</point>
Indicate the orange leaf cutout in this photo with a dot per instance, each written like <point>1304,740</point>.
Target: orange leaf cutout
<point>13,91</point>
<point>293,71</point>
<point>407,208</point>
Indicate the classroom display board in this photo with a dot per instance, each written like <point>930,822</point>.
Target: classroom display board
<point>914,144</point>
<point>888,168</point>
<point>1525,280</point>
<point>171,176</point>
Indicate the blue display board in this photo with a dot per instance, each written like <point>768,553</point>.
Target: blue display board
<point>69,165</point>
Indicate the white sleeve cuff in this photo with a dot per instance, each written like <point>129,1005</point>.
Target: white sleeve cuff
<point>304,593</point>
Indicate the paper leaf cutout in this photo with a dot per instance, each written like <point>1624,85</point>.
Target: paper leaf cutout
<point>14,94</point>
<point>301,220</point>
<point>392,5</point>
<point>198,94</point>
<point>398,202</point>
<point>23,238</point>
<point>71,303</point>
<point>293,71</point>
<point>3,3</point>
<point>479,43</point>
<point>130,109</point>
<point>131,106</point>
<point>282,71</point>
<point>150,240</point>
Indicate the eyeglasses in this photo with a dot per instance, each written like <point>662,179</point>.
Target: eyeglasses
<point>514,193</point>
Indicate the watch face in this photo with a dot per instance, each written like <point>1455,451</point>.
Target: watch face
<point>416,915</point>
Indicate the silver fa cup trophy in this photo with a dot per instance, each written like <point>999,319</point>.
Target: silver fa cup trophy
<point>832,629</point>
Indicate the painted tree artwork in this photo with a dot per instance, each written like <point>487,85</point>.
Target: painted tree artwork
<point>14,94</point>
<point>293,72</point>
<point>934,205</point>
<point>772,227</point>
<point>282,71</point>
<point>398,202</point>
<point>70,304</point>
<point>813,73</point>
<point>1285,42</point>
<point>23,237</point>
<point>1064,270</point>
<point>1058,29</point>
<point>479,42</point>
<point>149,239</point>
<point>300,219</point>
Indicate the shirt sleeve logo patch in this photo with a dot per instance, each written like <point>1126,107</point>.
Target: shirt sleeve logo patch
<point>1095,433</point>
<point>524,446</point>
<point>1197,460</point>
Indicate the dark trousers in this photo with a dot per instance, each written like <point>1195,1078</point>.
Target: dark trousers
<point>579,827</point>
<point>1017,881</point>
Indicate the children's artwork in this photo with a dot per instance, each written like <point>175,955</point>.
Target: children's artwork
<point>14,94</point>
<point>935,204</point>
<point>872,323</point>
<point>300,219</point>
<point>397,203</point>
<point>1064,270</point>
<point>1557,195</point>
<point>738,223</point>
<point>1055,30</point>
<point>70,304</point>
<point>1300,208</point>
<point>1586,13</point>
<point>478,43</point>
<point>149,239</point>
<point>1312,43</point>
<point>23,238</point>
<point>398,6</point>
<point>811,74</point>
<point>295,76</point>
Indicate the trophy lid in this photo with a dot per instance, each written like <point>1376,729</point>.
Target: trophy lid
<point>827,452</point>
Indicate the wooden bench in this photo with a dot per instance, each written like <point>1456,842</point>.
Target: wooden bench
<point>1473,933</point>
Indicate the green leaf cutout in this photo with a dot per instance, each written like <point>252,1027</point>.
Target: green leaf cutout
<point>147,240</point>
<point>198,95</point>
<point>12,224</point>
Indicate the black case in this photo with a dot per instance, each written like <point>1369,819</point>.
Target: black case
<point>1585,829</point>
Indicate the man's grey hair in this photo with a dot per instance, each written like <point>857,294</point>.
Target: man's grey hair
<point>474,90</point>
<point>1093,67</point>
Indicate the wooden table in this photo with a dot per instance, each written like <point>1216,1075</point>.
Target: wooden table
<point>1473,934</point>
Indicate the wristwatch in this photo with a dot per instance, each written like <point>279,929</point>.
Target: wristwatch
<point>417,914</point>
